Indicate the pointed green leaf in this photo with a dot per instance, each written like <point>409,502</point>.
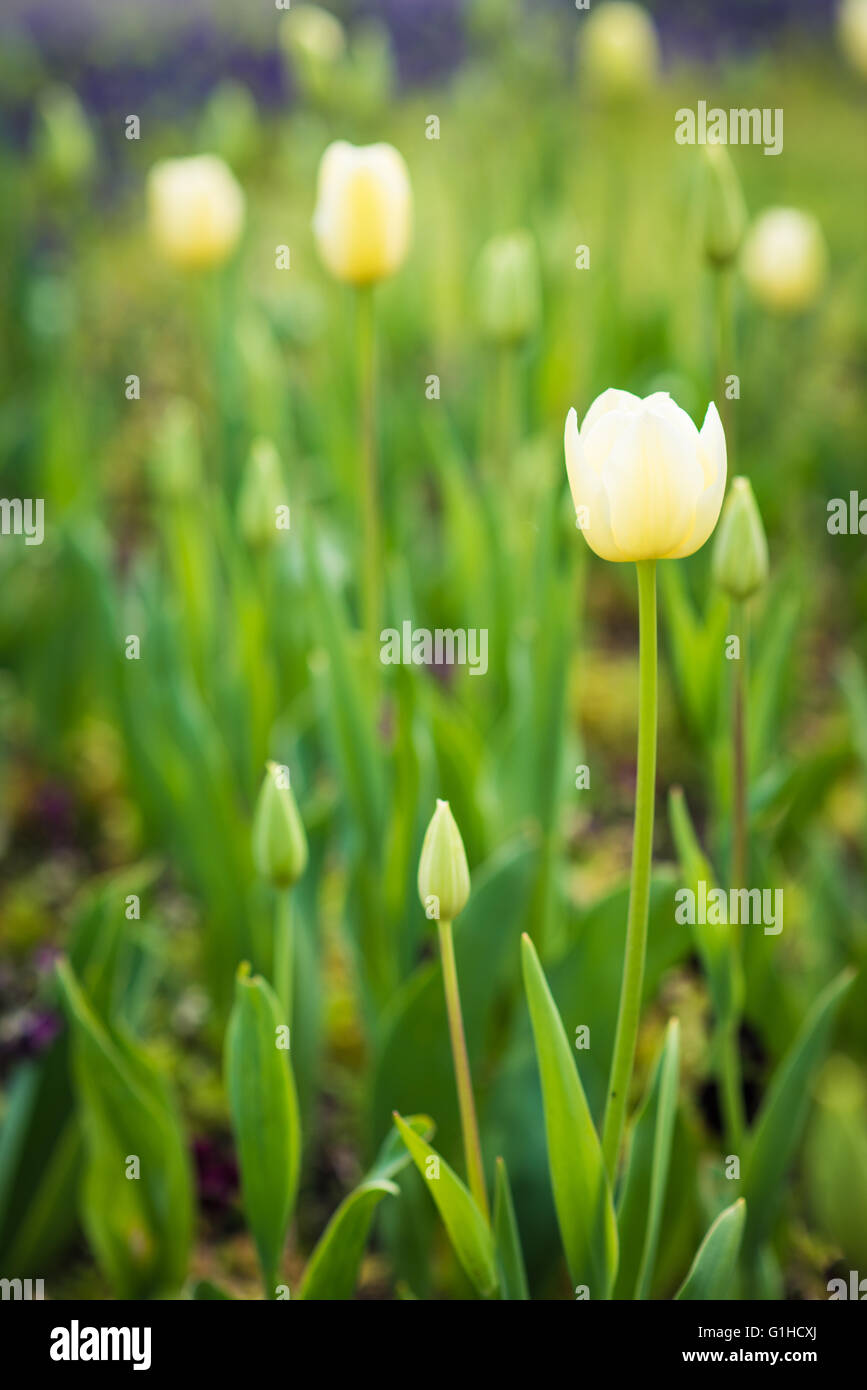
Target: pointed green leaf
<point>510,1257</point>
<point>468,1231</point>
<point>206,1291</point>
<point>139,1228</point>
<point>711,1274</point>
<point>669,1072</point>
<point>783,1114</point>
<point>332,1270</point>
<point>582,1195</point>
<point>264,1112</point>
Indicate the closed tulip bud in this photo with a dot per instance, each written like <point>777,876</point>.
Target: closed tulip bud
<point>784,260</point>
<point>313,37</point>
<point>740,551</point>
<point>279,841</point>
<point>65,146</point>
<point>261,494</point>
<point>646,484</point>
<point>852,33</point>
<point>363,211</point>
<point>230,123</point>
<point>196,210</point>
<point>443,875</point>
<point>725,211</point>
<point>618,49</point>
<point>176,465</point>
<point>509,289</point>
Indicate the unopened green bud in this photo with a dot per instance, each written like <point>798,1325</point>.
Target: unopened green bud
<point>740,553</point>
<point>230,123</point>
<point>261,500</point>
<point>509,290</point>
<point>443,875</point>
<point>725,213</point>
<point>279,841</point>
<point>65,142</point>
<point>315,42</point>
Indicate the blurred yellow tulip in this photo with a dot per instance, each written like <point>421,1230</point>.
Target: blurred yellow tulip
<point>852,33</point>
<point>647,485</point>
<point>196,210</point>
<point>784,259</point>
<point>618,50</point>
<point>363,211</point>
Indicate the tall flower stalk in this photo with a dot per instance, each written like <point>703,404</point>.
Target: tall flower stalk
<point>362,228</point>
<point>444,888</point>
<point>740,564</point>
<point>639,885</point>
<point>647,485</point>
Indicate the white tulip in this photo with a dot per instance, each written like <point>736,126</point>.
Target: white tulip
<point>784,259</point>
<point>647,485</point>
<point>196,209</point>
<point>363,211</point>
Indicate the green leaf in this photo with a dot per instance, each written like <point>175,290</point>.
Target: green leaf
<point>206,1291</point>
<point>332,1270</point>
<point>510,1258</point>
<point>783,1113</point>
<point>712,1272</point>
<point>719,961</point>
<point>666,1111</point>
<point>468,1231</point>
<point>582,1195</point>
<point>265,1122</point>
<point>139,1229</point>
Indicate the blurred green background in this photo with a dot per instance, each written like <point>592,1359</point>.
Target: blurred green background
<point>122,777</point>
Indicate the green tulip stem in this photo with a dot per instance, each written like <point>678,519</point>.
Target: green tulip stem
<point>371,596</point>
<point>466,1103</point>
<point>284,953</point>
<point>725,367</point>
<point>740,865</point>
<point>731,1086</point>
<point>639,886</point>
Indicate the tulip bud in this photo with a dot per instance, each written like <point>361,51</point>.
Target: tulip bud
<point>618,49</point>
<point>260,495</point>
<point>315,42</point>
<point>65,144</point>
<point>443,875</point>
<point>196,210</point>
<point>852,33</point>
<point>784,260</point>
<point>279,841</point>
<point>230,123</point>
<point>176,462</point>
<point>363,211</point>
<point>725,210</point>
<point>740,553</point>
<point>509,291</point>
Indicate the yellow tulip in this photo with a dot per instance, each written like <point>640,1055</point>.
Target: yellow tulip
<point>363,211</point>
<point>196,209</point>
<point>618,49</point>
<point>784,259</point>
<point>647,485</point>
<point>852,33</point>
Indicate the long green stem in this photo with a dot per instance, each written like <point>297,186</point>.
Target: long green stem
<point>729,1034</point>
<point>739,752</point>
<point>466,1103</point>
<point>371,597</point>
<point>284,954</point>
<point>639,886</point>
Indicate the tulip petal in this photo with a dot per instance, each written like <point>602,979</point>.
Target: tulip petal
<point>612,399</point>
<point>712,453</point>
<point>588,495</point>
<point>653,480</point>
